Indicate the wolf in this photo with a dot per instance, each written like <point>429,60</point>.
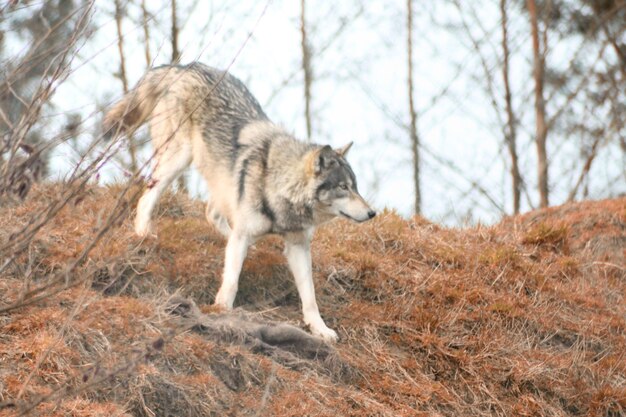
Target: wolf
<point>261,179</point>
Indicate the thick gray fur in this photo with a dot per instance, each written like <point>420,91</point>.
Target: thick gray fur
<point>261,179</point>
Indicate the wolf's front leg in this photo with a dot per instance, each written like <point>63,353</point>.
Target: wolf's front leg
<point>298,252</point>
<point>236,250</point>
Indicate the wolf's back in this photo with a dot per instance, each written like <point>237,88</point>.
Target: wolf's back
<point>206,96</point>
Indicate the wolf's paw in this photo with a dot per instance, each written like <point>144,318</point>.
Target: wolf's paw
<point>222,301</point>
<point>221,308</point>
<point>325,333</point>
<point>144,229</point>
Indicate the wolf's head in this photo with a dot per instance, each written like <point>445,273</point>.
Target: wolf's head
<point>336,192</point>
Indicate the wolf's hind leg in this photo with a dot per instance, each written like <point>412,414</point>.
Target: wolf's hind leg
<point>216,219</point>
<point>168,166</point>
<point>236,250</point>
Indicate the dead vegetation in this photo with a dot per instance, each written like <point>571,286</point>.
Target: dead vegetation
<point>524,318</point>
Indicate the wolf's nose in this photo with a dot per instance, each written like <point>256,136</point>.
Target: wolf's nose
<point>371,213</point>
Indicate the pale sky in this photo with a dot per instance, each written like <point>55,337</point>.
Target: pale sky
<point>359,93</point>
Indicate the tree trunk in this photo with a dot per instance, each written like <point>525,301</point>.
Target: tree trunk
<point>175,51</point>
<point>541,130</point>
<point>120,46</point>
<point>306,68</point>
<point>510,129</point>
<point>146,33</point>
<point>413,126</point>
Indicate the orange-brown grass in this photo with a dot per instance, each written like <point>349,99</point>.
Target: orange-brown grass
<point>527,317</point>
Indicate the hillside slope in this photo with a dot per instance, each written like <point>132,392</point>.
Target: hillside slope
<point>525,318</point>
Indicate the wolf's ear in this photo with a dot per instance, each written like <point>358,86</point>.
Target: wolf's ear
<point>344,150</point>
<point>319,159</point>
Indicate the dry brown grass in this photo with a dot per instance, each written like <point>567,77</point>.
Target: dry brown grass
<point>524,318</point>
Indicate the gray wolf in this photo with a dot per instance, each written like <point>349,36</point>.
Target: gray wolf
<point>261,179</point>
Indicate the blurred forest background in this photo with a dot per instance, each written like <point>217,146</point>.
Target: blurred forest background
<point>460,111</point>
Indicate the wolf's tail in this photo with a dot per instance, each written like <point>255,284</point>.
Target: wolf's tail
<point>134,108</point>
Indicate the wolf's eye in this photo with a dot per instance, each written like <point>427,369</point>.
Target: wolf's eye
<point>343,186</point>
